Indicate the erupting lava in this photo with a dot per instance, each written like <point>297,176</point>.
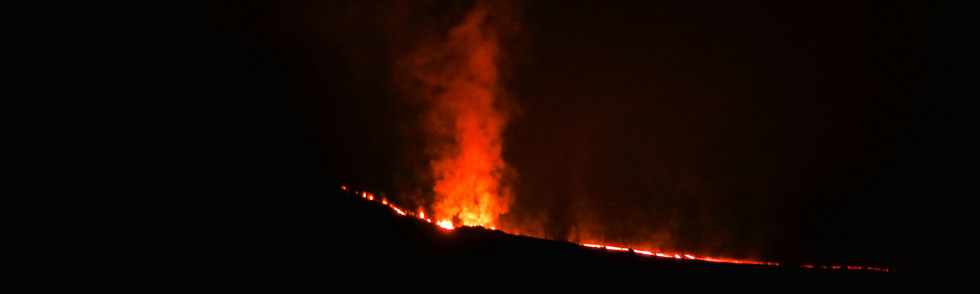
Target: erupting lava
<point>446,224</point>
<point>458,77</point>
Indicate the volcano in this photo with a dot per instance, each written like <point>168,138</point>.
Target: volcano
<point>379,230</point>
<point>631,135</point>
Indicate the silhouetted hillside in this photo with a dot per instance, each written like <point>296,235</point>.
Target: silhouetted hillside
<point>376,236</point>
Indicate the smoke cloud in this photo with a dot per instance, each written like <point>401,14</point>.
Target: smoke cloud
<point>457,77</point>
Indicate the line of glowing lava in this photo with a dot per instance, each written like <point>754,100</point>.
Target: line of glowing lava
<point>444,224</point>
<point>448,225</point>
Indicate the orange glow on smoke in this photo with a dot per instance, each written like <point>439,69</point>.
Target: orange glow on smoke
<point>459,77</point>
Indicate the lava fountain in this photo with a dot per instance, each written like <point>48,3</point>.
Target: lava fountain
<point>459,79</point>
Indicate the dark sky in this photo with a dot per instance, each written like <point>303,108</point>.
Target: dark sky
<point>774,129</point>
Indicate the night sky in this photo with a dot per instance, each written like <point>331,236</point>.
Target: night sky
<point>775,130</point>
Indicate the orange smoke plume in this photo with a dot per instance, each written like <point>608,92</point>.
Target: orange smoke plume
<point>464,124</point>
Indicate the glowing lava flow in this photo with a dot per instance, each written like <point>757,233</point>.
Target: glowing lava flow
<point>448,226</point>
<point>444,224</point>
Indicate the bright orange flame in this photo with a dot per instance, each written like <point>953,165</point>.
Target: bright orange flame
<point>644,252</point>
<point>617,248</point>
<point>459,76</point>
<point>445,224</point>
